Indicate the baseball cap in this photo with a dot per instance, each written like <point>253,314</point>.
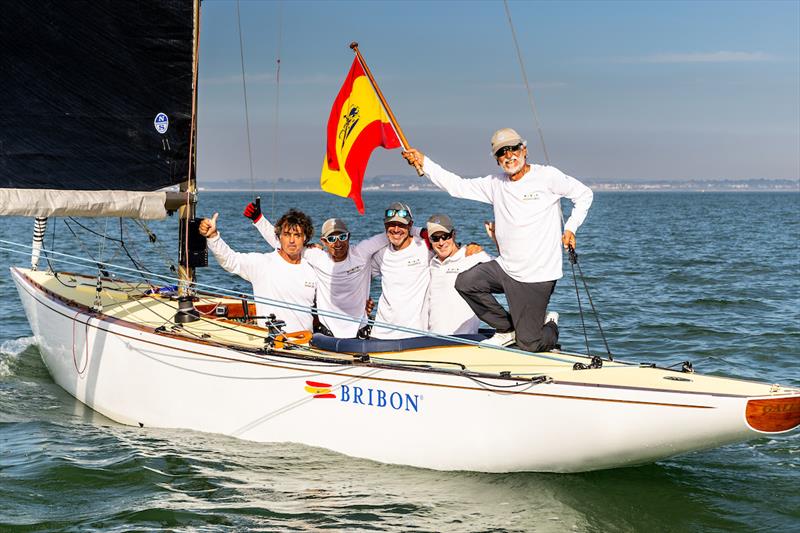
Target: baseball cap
<point>398,212</point>
<point>439,223</point>
<point>333,225</point>
<point>505,137</point>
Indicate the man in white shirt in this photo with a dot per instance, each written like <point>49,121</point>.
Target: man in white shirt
<point>342,271</point>
<point>527,211</point>
<point>405,278</point>
<point>449,312</point>
<point>281,275</point>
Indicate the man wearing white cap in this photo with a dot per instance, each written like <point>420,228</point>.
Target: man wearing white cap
<point>526,200</point>
<point>449,312</point>
<point>342,272</point>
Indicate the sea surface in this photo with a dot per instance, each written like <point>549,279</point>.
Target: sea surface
<point>713,278</point>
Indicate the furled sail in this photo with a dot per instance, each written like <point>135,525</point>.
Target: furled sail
<point>96,99</point>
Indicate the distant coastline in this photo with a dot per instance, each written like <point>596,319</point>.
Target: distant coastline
<point>416,184</point>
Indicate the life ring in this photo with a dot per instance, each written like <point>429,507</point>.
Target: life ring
<point>298,337</point>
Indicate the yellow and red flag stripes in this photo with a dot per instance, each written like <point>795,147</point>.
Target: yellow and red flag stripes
<point>357,125</point>
<point>319,390</point>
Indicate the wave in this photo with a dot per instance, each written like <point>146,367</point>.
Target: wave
<point>10,351</point>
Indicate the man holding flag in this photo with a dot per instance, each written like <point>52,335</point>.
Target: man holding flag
<point>527,208</point>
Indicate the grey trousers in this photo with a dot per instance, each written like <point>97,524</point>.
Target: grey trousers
<point>527,304</point>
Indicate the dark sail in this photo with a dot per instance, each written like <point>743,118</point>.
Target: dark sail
<point>81,86</point>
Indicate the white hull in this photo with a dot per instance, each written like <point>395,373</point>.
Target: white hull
<point>437,420</point>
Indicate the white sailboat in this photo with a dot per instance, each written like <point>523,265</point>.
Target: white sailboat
<point>187,359</point>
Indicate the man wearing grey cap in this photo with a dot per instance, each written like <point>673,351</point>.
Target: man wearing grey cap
<point>342,272</point>
<point>405,278</point>
<point>449,312</point>
<point>527,210</point>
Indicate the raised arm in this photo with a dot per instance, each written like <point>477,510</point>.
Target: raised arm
<point>234,262</point>
<point>478,189</point>
<point>264,226</point>
<point>368,247</point>
<point>267,230</point>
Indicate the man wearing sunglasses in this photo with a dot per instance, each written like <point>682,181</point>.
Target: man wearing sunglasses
<point>342,271</point>
<point>281,275</point>
<point>405,278</point>
<point>527,209</point>
<point>449,312</point>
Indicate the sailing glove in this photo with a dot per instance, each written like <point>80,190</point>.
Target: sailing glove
<point>253,212</point>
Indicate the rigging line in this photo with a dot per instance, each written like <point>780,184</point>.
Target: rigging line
<point>98,264</point>
<point>120,241</point>
<point>527,85</point>
<point>103,241</point>
<point>244,90</point>
<point>594,311</point>
<point>295,307</point>
<point>275,152</point>
<point>573,258</point>
<point>159,249</point>
<point>285,305</point>
<point>47,255</point>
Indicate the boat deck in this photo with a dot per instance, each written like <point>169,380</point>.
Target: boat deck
<point>135,305</point>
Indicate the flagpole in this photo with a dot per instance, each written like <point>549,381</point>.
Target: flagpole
<point>392,119</point>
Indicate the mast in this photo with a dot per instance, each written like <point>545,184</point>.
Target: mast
<point>188,188</point>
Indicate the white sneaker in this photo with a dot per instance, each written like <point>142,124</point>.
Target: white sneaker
<point>501,339</point>
<point>552,316</point>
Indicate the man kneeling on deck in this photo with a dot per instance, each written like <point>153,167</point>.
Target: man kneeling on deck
<point>281,275</point>
<point>526,199</point>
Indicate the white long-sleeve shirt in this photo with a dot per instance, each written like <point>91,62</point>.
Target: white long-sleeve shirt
<point>342,287</point>
<point>272,277</point>
<point>405,279</point>
<point>449,312</point>
<point>527,215</point>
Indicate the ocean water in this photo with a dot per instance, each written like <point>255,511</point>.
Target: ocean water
<point>712,278</point>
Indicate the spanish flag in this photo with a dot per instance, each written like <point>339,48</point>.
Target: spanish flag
<point>357,125</point>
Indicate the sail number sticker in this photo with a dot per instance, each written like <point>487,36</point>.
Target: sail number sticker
<point>161,123</point>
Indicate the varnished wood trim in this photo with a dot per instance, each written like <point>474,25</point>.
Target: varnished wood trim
<point>773,415</point>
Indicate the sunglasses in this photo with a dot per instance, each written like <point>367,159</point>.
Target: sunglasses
<point>333,238</point>
<point>506,149</point>
<point>402,213</point>
<point>441,237</point>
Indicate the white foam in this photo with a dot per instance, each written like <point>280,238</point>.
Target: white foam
<point>11,349</point>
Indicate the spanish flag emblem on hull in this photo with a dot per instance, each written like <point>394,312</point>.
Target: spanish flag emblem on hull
<point>357,125</point>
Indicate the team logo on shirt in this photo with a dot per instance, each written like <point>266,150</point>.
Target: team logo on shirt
<point>530,196</point>
<point>353,270</point>
<point>413,262</point>
<point>311,284</point>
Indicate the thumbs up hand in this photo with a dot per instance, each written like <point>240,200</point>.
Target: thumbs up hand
<point>208,226</point>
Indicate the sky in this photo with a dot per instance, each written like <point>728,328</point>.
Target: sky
<point>624,90</point>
